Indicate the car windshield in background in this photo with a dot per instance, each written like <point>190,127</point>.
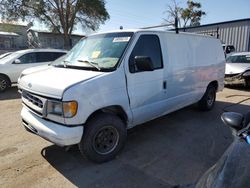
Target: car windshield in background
<point>239,59</point>
<point>102,51</point>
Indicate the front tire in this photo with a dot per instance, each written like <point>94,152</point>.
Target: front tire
<point>207,101</point>
<point>104,136</point>
<point>247,82</point>
<point>4,83</point>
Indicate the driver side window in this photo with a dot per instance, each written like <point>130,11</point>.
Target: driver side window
<point>147,45</point>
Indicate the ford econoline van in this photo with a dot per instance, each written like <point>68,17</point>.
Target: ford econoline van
<point>110,82</point>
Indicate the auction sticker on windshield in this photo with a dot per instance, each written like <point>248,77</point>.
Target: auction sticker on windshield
<point>121,39</point>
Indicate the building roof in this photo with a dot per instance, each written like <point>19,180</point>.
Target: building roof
<point>8,33</point>
<point>47,32</point>
<point>218,23</point>
<point>14,24</point>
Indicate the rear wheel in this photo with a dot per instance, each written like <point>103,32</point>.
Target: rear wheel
<point>4,83</point>
<point>103,138</point>
<point>208,99</point>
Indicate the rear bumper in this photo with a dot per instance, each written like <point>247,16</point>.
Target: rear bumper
<point>53,132</point>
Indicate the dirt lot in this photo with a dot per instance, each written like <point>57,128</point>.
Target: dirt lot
<point>175,149</point>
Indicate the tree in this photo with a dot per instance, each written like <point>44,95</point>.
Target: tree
<point>174,12</point>
<point>190,16</point>
<point>60,16</point>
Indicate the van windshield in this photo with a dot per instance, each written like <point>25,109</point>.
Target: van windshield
<point>98,52</point>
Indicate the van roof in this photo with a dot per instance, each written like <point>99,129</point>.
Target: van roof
<point>151,30</point>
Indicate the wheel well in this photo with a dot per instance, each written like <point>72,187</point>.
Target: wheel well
<point>214,84</point>
<point>4,75</point>
<point>116,110</point>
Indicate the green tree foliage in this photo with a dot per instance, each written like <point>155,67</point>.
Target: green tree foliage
<point>189,16</point>
<point>60,16</point>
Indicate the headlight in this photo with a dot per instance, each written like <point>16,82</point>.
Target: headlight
<point>247,73</point>
<point>63,109</point>
<point>54,108</point>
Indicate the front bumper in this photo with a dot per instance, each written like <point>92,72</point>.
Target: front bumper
<point>53,132</point>
<point>236,79</point>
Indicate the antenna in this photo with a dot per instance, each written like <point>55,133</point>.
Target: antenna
<point>176,25</point>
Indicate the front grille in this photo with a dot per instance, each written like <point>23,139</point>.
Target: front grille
<point>35,103</point>
<point>34,100</point>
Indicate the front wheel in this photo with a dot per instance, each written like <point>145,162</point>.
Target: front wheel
<point>207,101</point>
<point>4,83</point>
<point>104,136</point>
<point>247,82</point>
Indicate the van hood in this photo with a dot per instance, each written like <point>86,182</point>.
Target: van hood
<point>35,69</point>
<point>236,68</point>
<point>53,81</point>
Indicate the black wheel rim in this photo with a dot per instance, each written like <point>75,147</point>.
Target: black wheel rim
<point>3,84</point>
<point>210,98</point>
<point>106,140</point>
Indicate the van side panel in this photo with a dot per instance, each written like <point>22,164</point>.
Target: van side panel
<point>191,62</point>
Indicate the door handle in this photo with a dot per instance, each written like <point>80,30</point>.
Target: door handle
<point>164,84</point>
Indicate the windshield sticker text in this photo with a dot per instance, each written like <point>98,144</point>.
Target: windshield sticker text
<point>121,39</point>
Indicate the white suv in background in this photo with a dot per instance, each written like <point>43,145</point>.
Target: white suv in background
<point>13,64</point>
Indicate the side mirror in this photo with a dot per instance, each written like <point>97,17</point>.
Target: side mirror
<point>233,120</point>
<point>144,63</point>
<point>17,61</point>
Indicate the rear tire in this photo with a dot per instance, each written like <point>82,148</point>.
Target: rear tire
<point>207,101</point>
<point>104,136</point>
<point>4,83</point>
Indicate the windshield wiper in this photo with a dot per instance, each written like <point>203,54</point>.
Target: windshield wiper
<point>65,62</point>
<point>93,64</point>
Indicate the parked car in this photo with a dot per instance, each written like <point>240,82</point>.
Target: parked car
<point>4,55</point>
<point>11,65</point>
<point>110,82</point>
<point>238,69</point>
<point>41,67</point>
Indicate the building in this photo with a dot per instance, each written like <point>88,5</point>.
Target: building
<point>12,37</point>
<point>236,32</point>
<point>43,39</point>
<point>15,37</point>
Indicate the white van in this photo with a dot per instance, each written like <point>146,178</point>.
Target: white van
<point>110,82</point>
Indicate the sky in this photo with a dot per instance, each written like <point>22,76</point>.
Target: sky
<point>142,13</point>
<point>132,14</point>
